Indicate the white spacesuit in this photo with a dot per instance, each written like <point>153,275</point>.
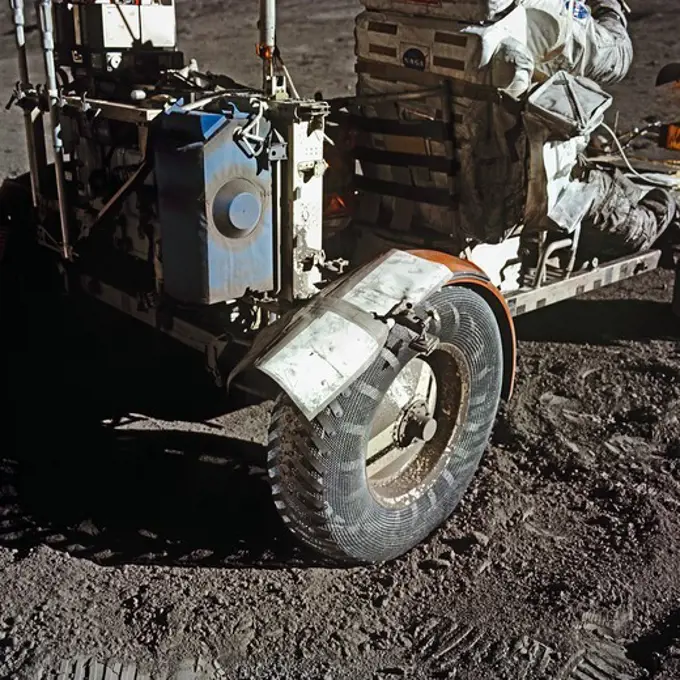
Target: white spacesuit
<point>534,41</point>
<point>541,37</point>
<point>588,40</point>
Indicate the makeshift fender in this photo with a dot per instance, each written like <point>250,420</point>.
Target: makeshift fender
<point>315,352</point>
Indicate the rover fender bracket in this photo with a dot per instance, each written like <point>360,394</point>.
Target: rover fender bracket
<point>315,352</point>
<point>466,273</point>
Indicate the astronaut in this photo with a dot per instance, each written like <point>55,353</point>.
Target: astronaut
<point>532,42</point>
<point>538,38</point>
<point>589,40</point>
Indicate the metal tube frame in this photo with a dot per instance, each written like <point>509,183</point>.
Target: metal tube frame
<point>267,43</point>
<point>46,27</point>
<point>34,129</point>
<point>548,252</point>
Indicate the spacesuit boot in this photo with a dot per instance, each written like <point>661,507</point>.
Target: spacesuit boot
<point>625,218</point>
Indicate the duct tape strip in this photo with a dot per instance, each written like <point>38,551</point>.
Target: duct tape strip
<point>335,345</point>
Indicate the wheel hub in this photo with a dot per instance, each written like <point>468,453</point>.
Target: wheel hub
<point>404,424</point>
<point>417,425</point>
<point>413,426</point>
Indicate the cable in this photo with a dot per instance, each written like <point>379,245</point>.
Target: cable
<point>647,180</point>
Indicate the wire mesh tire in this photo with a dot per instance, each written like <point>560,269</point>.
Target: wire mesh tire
<point>323,474</point>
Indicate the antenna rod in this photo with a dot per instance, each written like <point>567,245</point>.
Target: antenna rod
<point>267,41</point>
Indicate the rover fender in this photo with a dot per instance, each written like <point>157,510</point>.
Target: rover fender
<point>315,353</point>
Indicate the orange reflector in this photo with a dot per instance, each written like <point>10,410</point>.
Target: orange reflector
<point>263,51</point>
<point>673,137</point>
<point>336,205</point>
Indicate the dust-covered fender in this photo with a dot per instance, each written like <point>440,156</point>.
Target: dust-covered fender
<point>315,352</point>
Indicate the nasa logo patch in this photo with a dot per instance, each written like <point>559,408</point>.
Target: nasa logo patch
<point>578,9</point>
<point>415,59</point>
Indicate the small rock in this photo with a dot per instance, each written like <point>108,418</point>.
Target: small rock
<point>379,601</point>
<point>484,566</point>
<point>571,446</point>
<point>88,527</point>
<point>433,564</point>
<point>147,534</point>
<point>481,538</point>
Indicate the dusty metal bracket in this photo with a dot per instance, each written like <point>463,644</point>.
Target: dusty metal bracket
<point>425,344</point>
<point>404,314</point>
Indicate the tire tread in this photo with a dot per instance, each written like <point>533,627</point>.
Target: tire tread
<point>302,472</point>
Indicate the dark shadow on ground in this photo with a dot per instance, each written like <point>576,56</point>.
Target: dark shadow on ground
<point>145,497</point>
<point>656,647</point>
<point>121,496</point>
<point>600,322</point>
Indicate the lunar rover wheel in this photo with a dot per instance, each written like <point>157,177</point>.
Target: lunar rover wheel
<point>386,463</point>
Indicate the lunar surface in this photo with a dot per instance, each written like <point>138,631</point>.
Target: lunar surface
<point>153,549</point>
